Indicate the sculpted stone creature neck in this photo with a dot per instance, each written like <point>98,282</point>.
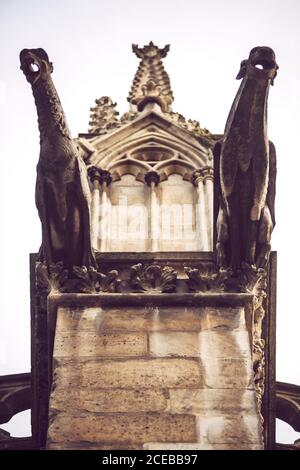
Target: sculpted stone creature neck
<point>51,118</point>
<point>246,166</point>
<point>62,193</point>
<point>245,134</point>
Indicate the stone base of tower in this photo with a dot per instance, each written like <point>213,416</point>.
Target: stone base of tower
<point>153,371</point>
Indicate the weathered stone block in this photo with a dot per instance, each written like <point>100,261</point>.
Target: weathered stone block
<point>174,344</point>
<point>228,372</point>
<point>162,378</point>
<point>110,400</point>
<point>145,319</point>
<point>78,319</point>
<point>86,343</point>
<point>89,446</point>
<point>225,344</point>
<point>177,446</point>
<point>131,428</point>
<point>199,446</point>
<point>238,446</point>
<point>212,401</point>
<point>131,373</point>
<point>222,318</point>
<point>132,319</point>
<point>234,429</point>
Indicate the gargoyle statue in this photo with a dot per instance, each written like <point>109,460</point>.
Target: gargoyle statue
<point>62,193</point>
<point>245,169</point>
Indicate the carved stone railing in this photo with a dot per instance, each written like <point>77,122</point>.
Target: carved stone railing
<point>288,410</point>
<point>15,396</point>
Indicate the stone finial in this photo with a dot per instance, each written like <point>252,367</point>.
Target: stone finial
<point>103,116</point>
<point>151,82</point>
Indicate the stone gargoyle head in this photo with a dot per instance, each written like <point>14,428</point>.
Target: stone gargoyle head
<point>261,65</point>
<point>35,65</point>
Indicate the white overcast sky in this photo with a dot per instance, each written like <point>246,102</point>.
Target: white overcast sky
<point>89,43</point>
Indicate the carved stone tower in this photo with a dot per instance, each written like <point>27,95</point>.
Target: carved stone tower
<point>159,344</point>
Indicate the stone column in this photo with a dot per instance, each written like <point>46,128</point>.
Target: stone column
<point>105,180</point>
<point>201,214</point>
<point>152,179</point>
<point>94,175</point>
<point>100,179</point>
<point>208,180</point>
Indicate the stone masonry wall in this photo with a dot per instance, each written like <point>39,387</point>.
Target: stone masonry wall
<point>153,378</point>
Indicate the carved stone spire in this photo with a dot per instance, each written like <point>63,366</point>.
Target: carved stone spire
<point>151,82</point>
<point>103,116</point>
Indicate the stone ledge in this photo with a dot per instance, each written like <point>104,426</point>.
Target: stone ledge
<point>152,299</point>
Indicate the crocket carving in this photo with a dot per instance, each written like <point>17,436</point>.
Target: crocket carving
<point>245,168</point>
<point>62,193</point>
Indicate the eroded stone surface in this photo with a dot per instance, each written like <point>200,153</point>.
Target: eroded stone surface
<point>165,344</point>
<point>199,446</point>
<point>87,343</point>
<point>176,446</point>
<point>111,401</point>
<point>131,373</point>
<point>224,344</point>
<point>242,428</point>
<point>222,318</point>
<point>130,319</point>
<point>131,428</point>
<point>88,446</point>
<point>212,401</point>
<point>228,372</point>
<point>154,378</point>
<point>149,319</point>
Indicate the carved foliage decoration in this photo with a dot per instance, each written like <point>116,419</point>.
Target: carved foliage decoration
<point>153,278</point>
<point>189,124</point>
<point>207,280</point>
<point>82,279</point>
<point>254,280</point>
<point>103,116</point>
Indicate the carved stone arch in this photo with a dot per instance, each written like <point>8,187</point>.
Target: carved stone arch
<point>129,166</point>
<point>166,168</point>
<point>152,153</point>
<point>184,152</point>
